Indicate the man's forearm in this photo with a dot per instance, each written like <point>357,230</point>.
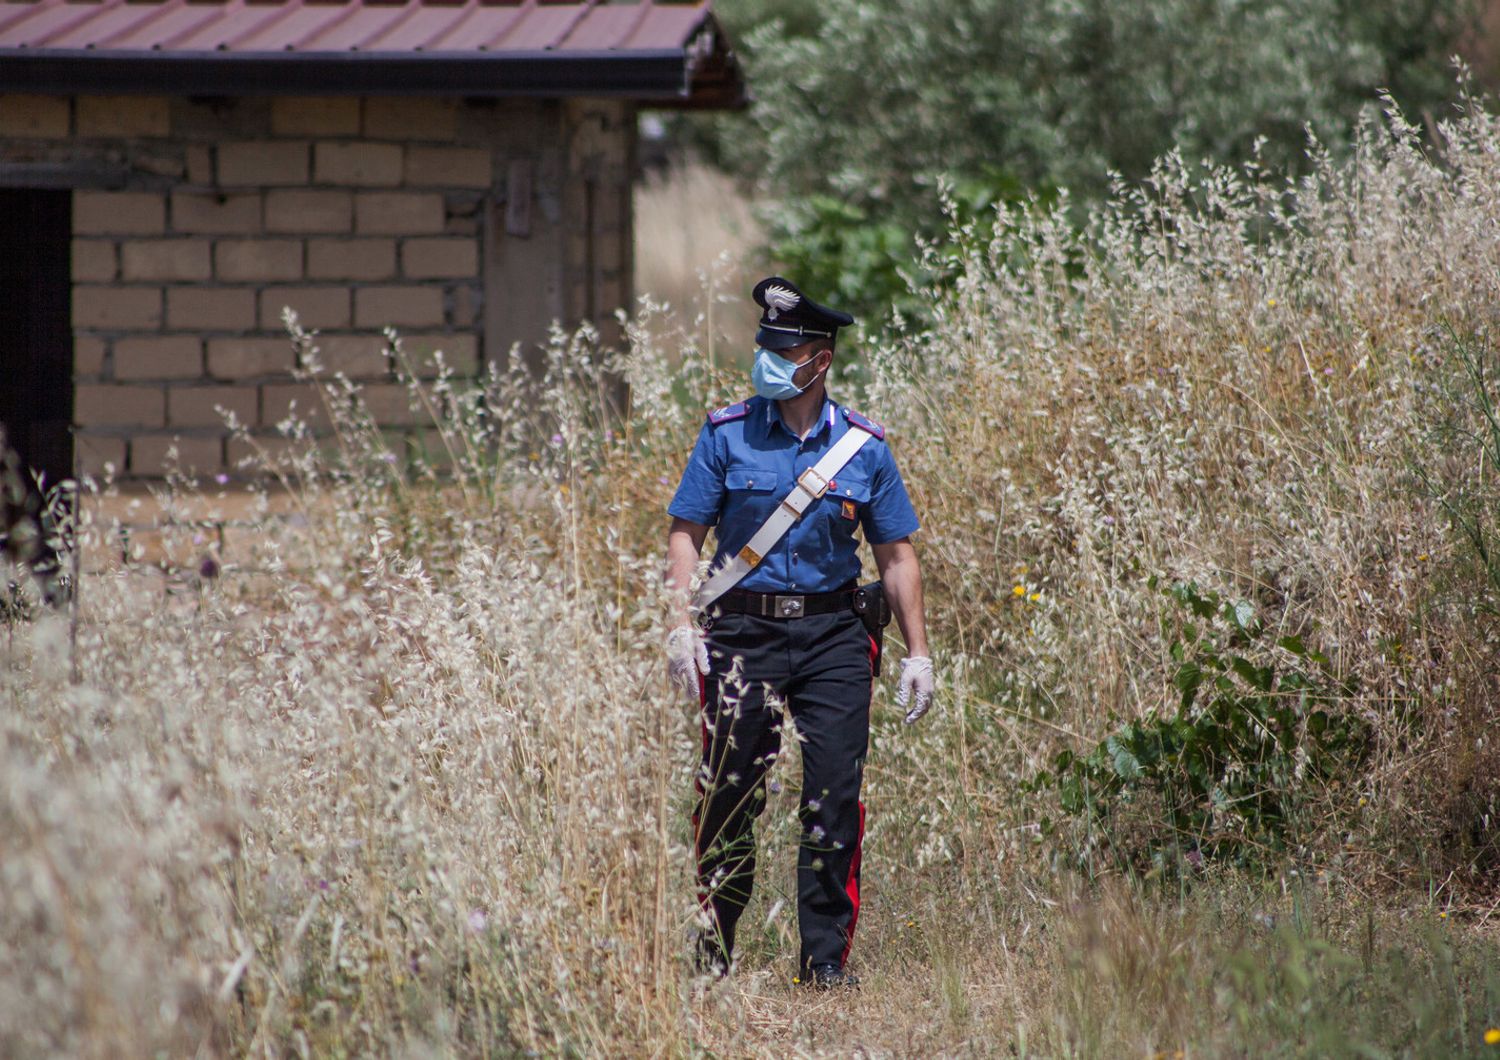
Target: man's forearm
<point>684,544</point>
<point>901,574</point>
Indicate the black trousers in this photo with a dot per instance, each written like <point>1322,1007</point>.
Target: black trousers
<point>819,667</point>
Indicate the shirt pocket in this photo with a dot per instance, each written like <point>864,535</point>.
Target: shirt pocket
<point>750,495</point>
<point>751,480</point>
<point>848,496</point>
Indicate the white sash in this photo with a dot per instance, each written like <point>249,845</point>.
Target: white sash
<point>791,508</point>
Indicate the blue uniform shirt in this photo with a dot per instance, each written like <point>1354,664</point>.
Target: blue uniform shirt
<point>746,461</point>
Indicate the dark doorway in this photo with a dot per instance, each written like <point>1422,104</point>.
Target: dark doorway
<point>36,352</point>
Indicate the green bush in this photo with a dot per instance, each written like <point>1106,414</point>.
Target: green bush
<point>872,103</point>
<point>1245,751</point>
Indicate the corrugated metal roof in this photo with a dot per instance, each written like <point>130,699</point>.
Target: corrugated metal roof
<point>637,39</point>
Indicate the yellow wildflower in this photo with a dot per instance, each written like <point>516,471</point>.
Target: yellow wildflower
<point>1492,1036</point>
<point>1019,590</point>
<point>1271,303</point>
<point>1364,801</point>
<point>1423,558</point>
<point>1035,597</point>
<point>1443,914</point>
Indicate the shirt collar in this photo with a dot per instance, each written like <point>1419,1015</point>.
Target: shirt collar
<point>826,416</point>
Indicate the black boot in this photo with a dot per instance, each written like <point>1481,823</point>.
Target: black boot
<point>709,957</point>
<point>829,977</point>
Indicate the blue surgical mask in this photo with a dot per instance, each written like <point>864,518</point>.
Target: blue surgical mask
<point>773,374</point>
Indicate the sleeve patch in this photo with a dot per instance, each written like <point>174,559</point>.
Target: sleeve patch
<point>864,423</point>
<point>738,411</point>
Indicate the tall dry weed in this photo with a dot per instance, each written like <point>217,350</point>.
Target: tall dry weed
<point>1226,379</point>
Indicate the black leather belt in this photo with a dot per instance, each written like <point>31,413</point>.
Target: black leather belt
<point>783,605</point>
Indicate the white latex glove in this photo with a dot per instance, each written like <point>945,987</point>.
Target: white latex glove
<point>687,657</point>
<point>916,681</point>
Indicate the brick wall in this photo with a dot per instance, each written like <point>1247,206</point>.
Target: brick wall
<point>357,213</point>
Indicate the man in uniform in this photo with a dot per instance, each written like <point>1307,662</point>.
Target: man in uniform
<point>785,624</point>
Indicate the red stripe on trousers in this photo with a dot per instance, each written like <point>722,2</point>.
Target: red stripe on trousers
<point>703,895</point>
<point>851,885</point>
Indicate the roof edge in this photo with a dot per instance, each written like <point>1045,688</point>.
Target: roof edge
<point>664,77</point>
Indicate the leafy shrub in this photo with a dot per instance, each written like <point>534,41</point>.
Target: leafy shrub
<point>1249,742</point>
<point>857,256</point>
<point>873,104</point>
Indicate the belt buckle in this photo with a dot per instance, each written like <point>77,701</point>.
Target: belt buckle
<point>790,606</point>
<point>812,491</point>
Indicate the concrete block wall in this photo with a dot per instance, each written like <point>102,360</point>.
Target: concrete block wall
<point>357,213</point>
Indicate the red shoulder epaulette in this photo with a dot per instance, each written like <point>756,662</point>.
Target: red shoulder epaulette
<point>738,411</point>
<point>864,423</point>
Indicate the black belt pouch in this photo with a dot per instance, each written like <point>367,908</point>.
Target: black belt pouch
<point>874,611</point>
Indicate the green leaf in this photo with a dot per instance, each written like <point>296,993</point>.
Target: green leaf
<point>1187,679</point>
<point>1256,676</point>
<point>1127,766</point>
<point>1070,795</point>
<point>1293,644</point>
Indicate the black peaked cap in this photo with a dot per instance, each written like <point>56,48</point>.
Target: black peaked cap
<point>789,318</point>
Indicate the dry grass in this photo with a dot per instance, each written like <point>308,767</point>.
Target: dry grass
<point>410,780</point>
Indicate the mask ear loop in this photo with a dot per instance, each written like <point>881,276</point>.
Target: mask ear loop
<point>816,376</point>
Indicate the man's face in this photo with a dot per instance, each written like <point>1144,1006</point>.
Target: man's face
<point>809,362</point>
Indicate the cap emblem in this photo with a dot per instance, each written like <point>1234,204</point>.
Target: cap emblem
<point>779,298</point>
